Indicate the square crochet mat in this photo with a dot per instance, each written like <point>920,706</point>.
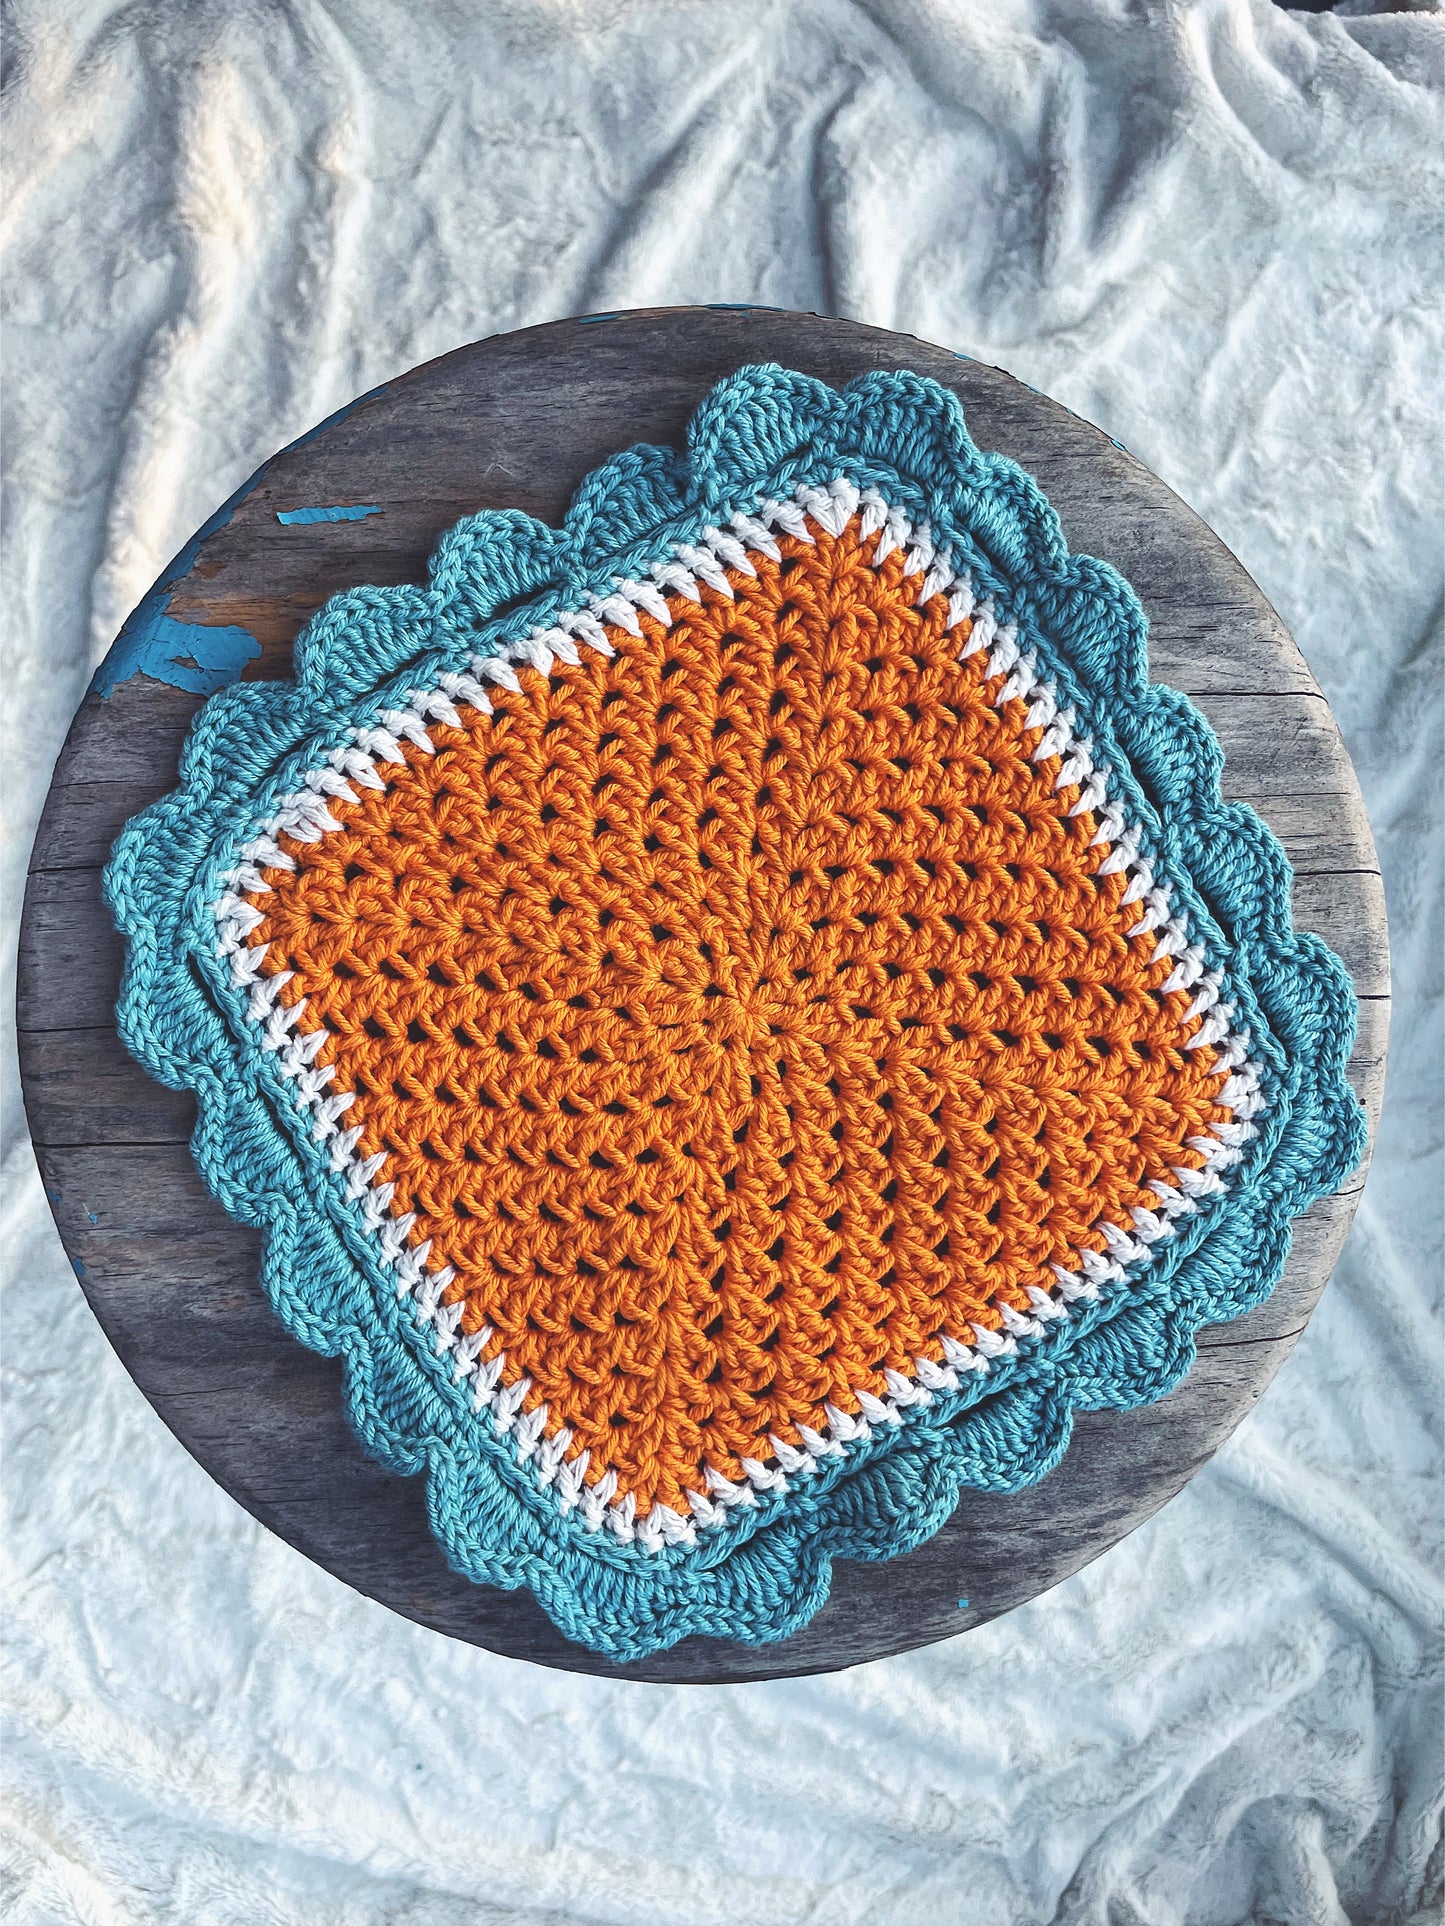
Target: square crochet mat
<point>737,1015</point>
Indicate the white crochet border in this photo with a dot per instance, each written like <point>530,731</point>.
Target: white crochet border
<point>306,817</point>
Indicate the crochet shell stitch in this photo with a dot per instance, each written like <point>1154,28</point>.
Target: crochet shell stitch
<point>738,1015</point>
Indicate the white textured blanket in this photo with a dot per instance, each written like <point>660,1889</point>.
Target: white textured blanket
<point>1209,226</point>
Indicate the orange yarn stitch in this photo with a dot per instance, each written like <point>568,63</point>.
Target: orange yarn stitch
<point>740,1014</point>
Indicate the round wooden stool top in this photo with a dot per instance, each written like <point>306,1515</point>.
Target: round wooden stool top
<point>516,422</point>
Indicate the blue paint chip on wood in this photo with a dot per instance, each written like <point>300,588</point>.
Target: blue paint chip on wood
<point>963,1604</point>
<point>187,655</point>
<point>303,517</point>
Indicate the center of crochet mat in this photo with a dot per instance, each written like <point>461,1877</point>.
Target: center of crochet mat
<point>741,1013</point>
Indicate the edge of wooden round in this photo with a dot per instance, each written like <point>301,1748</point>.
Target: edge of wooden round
<point>516,421</point>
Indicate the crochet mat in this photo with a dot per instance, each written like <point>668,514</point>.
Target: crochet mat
<point>738,1015</point>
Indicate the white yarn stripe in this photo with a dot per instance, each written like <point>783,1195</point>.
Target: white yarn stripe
<point>362,761</point>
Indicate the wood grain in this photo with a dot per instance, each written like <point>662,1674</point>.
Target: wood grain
<point>516,422</point>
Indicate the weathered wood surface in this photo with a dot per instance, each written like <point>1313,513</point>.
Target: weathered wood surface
<point>515,422</point>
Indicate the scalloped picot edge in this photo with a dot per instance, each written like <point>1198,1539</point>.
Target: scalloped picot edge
<point>305,816</point>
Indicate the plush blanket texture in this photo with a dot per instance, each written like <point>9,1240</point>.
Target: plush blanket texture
<point>1210,226</point>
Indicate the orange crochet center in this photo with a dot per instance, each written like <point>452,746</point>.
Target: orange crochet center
<point>740,1014</point>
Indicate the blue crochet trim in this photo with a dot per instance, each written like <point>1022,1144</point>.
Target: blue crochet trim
<point>495,578</point>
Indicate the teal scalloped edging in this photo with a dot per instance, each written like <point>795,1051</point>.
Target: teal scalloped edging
<point>495,577</point>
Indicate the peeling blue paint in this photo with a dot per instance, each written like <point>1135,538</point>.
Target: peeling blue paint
<point>187,655</point>
<point>963,1604</point>
<point>303,517</point>
<point>744,307</point>
<point>153,643</point>
<point>77,1267</point>
<point>587,319</point>
<point>90,1213</point>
